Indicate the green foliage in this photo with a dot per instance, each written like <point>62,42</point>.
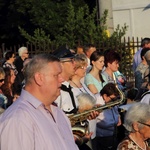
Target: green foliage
<point>67,22</point>
<point>46,23</point>
<point>81,27</point>
<point>119,32</point>
<point>39,36</point>
<point>116,43</point>
<point>68,25</point>
<point>39,39</point>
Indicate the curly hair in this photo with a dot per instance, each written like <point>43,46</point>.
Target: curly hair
<point>8,55</point>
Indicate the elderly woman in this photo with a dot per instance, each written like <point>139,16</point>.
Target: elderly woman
<point>86,102</point>
<point>137,122</point>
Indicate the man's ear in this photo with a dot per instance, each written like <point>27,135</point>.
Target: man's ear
<point>38,78</point>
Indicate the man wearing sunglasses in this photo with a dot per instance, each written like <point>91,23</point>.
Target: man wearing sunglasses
<point>23,54</point>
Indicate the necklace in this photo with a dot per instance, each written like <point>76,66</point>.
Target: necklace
<point>80,87</point>
<point>76,84</point>
<point>138,144</point>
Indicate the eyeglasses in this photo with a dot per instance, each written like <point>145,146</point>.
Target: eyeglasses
<point>70,60</point>
<point>1,80</point>
<point>144,123</point>
<point>82,67</point>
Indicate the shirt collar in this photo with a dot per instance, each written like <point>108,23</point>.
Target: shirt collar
<point>31,99</point>
<point>66,83</point>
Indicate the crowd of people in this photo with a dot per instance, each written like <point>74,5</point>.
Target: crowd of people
<point>41,96</point>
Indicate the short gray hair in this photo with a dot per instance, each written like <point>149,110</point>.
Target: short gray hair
<point>85,100</point>
<point>21,50</point>
<point>138,112</point>
<point>36,64</point>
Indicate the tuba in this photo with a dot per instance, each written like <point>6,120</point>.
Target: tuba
<point>80,117</point>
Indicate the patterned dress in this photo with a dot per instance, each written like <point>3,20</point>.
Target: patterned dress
<point>6,64</point>
<point>128,144</point>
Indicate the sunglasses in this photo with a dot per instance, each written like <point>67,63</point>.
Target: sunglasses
<point>113,99</point>
<point>1,80</point>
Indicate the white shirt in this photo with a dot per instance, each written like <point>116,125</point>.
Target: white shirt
<point>146,98</point>
<point>64,100</point>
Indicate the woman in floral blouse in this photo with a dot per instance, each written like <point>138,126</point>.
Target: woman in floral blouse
<point>10,58</point>
<point>137,122</point>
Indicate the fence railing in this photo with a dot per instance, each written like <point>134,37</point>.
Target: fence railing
<point>126,48</point>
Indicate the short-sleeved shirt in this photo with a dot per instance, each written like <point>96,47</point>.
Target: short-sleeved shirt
<point>64,101</point>
<point>13,67</point>
<point>108,78</point>
<point>89,79</point>
<point>137,59</point>
<point>139,75</point>
<point>146,97</point>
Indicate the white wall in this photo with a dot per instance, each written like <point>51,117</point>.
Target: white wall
<point>135,13</point>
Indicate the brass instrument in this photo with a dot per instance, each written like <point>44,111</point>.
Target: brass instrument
<point>80,117</point>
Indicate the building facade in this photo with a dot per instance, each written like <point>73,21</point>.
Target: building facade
<point>135,14</point>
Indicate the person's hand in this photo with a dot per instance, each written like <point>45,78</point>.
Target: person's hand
<point>93,115</point>
<point>119,122</point>
<point>81,140</point>
<point>87,137</point>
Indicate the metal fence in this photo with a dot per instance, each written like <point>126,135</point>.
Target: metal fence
<point>126,48</point>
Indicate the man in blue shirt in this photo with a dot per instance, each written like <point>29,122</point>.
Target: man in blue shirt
<point>145,43</point>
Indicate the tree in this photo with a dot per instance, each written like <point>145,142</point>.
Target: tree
<point>59,21</point>
<point>80,27</point>
<point>48,15</point>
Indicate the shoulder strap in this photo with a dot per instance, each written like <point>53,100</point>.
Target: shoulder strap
<point>68,89</point>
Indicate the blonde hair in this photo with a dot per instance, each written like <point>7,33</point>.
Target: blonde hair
<point>80,60</point>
